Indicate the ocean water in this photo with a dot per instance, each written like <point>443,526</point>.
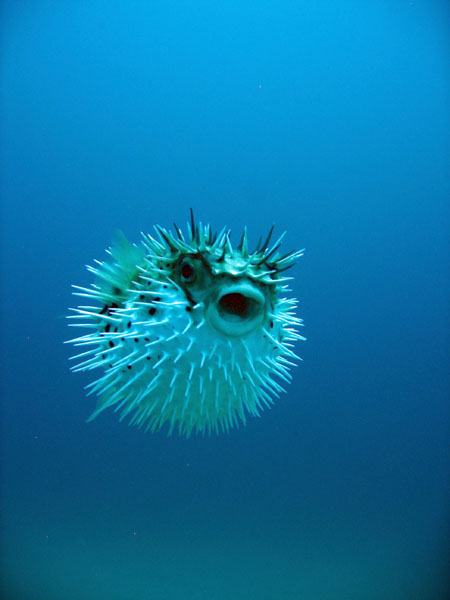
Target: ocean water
<point>328,119</point>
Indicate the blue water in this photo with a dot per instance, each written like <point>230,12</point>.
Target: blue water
<point>326,118</point>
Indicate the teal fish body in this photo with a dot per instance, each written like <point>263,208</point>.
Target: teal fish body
<point>188,331</point>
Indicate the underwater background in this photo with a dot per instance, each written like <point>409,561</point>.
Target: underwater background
<point>329,119</point>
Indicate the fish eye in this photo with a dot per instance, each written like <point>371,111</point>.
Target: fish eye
<point>187,271</point>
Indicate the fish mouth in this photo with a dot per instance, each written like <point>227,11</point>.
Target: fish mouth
<point>238,309</point>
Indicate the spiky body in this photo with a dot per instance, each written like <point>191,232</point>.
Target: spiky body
<point>188,331</point>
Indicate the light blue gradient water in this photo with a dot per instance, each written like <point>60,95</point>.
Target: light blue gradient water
<point>328,119</point>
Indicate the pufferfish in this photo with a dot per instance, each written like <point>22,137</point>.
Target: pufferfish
<point>189,332</point>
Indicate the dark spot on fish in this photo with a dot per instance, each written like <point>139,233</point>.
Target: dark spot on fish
<point>129,367</point>
<point>111,344</point>
<point>188,308</point>
<point>152,310</point>
<point>271,323</point>
<point>117,291</point>
<point>136,339</point>
<point>108,327</point>
<point>129,324</point>
<point>142,296</point>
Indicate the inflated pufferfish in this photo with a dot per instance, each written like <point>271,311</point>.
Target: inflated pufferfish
<point>188,330</point>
